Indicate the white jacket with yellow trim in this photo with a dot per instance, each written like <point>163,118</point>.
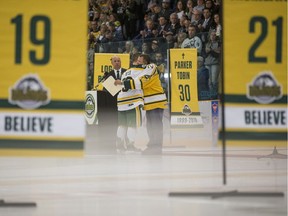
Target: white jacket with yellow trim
<point>132,98</point>
<point>149,81</point>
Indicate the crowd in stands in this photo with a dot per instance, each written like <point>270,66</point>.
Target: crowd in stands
<point>152,27</point>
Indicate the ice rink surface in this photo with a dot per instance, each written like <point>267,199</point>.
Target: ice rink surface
<point>103,183</point>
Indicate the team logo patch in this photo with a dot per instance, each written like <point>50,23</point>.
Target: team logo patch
<point>89,106</point>
<point>264,89</point>
<point>186,110</point>
<point>29,92</point>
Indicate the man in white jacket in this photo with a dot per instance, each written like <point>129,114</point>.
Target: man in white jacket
<point>130,104</point>
<point>192,41</point>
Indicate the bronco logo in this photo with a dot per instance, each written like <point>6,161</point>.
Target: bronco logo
<point>89,106</point>
<point>186,110</point>
<point>29,92</point>
<point>264,89</point>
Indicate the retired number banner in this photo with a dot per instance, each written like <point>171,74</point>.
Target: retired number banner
<point>255,72</point>
<point>43,77</point>
<point>184,97</point>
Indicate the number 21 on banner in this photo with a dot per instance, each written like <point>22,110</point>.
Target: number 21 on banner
<point>278,23</point>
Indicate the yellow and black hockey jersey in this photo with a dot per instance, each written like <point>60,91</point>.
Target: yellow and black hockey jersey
<point>149,80</point>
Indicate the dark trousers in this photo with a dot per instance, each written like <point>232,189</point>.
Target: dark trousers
<point>155,128</point>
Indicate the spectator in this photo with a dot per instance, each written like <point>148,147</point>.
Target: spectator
<point>163,26</point>
<point>174,24</point>
<point>135,50</point>
<point>113,6</point>
<point>147,32</point>
<point>96,16</point>
<point>117,33</point>
<point>196,18</point>
<point>189,9</point>
<point>212,60</point>
<point>94,32</point>
<point>113,17</point>
<point>90,53</point>
<point>154,13</point>
<point>216,26</point>
<point>160,62</point>
<point>103,19</point>
<point>128,47</point>
<point>200,5</point>
<point>130,19</point>
<point>109,45</point>
<point>170,40</point>
<point>143,22</point>
<point>90,11</point>
<point>180,38</point>
<point>104,6</point>
<point>187,23</point>
<point>156,33</point>
<point>140,11</point>
<point>202,79</point>
<point>100,39</point>
<point>154,49</point>
<point>192,41</point>
<point>180,8</point>
<point>217,6</point>
<point>121,12</point>
<point>146,48</point>
<point>166,10</point>
<point>90,76</point>
<point>182,24</point>
<point>212,6</point>
<point>94,11</point>
<point>150,4</point>
<point>205,24</point>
